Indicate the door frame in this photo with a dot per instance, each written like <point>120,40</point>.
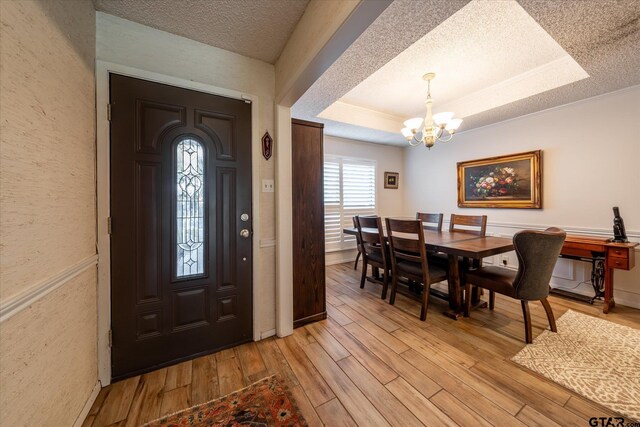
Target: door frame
<point>103,142</point>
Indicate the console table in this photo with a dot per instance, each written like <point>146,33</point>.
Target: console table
<point>605,256</point>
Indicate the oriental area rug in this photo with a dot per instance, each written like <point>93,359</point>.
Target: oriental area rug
<point>267,402</point>
<point>597,359</point>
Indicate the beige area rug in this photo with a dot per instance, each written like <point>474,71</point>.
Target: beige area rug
<point>597,359</point>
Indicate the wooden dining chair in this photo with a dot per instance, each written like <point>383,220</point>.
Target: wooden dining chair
<point>436,221</point>
<point>355,264</point>
<point>409,259</point>
<point>373,247</point>
<point>431,218</point>
<point>537,253</point>
<point>472,224</point>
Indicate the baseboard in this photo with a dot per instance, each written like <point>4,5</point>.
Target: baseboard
<point>309,319</point>
<point>87,406</point>
<point>626,298</point>
<point>341,260</point>
<point>267,334</point>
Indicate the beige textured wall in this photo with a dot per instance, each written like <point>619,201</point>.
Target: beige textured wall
<point>48,356</point>
<point>47,159</point>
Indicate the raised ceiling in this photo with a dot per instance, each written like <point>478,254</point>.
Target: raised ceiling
<point>495,61</point>
<point>257,29</point>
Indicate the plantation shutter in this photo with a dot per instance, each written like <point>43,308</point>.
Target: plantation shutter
<point>349,190</point>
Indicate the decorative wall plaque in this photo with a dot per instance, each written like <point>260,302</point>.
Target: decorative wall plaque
<point>267,145</point>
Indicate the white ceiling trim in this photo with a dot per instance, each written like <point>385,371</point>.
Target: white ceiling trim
<point>551,75</point>
<point>361,116</point>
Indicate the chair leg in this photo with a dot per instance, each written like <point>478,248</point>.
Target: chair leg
<point>394,287</point>
<point>527,322</point>
<point>492,300</point>
<point>467,299</point>
<point>385,283</point>
<point>425,302</point>
<point>355,265</point>
<point>550,317</point>
<point>364,273</point>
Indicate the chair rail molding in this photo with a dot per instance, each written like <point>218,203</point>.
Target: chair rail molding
<point>587,231</point>
<point>33,293</point>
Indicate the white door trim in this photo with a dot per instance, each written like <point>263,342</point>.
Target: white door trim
<point>102,189</point>
<point>284,231</point>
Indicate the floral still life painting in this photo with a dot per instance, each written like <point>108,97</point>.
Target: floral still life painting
<point>513,181</point>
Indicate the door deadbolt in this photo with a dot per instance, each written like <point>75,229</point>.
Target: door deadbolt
<point>244,233</point>
<point>244,217</point>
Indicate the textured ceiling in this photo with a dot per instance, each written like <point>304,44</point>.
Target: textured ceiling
<point>603,37</point>
<point>258,29</point>
<point>512,56</point>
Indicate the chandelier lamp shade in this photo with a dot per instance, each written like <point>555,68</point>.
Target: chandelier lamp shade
<point>434,127</point>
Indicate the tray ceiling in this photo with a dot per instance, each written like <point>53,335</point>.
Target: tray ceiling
<point>494,61</point>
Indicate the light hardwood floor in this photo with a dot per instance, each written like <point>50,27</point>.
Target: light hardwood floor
<point>372,364</point>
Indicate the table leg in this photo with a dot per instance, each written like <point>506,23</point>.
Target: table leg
<point>476,293</point>
<point>609,302</point>
<point>463,279</point>
<point>454,289</point>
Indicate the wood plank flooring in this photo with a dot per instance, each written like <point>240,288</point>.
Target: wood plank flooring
<point>372,364</point>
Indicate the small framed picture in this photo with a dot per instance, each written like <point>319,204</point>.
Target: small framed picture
<point>391,180</point>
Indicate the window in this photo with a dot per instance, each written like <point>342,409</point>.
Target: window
<point>349,190</point>
<point>189,208</point>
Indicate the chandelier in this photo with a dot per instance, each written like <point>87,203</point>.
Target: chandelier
<point>438,127</point>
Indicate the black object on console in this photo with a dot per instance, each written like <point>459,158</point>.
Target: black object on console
<point>619,233</point>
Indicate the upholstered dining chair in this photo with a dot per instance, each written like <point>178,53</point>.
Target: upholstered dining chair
<point>373,248</point>
<point>537,253</point>
<point>435,220</point>
<point>409,259</point>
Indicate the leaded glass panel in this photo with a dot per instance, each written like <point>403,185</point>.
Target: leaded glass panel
<point>190,208</point>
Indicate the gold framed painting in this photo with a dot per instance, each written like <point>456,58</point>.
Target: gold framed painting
<point>391,180</point>
<point>513,181</point>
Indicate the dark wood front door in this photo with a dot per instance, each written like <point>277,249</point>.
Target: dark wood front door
<point>180,206</point>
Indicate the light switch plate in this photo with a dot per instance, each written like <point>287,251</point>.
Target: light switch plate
<point>268,186</point>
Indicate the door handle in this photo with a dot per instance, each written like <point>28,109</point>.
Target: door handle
<point>244,233</point>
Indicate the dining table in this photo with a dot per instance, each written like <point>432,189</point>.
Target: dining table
<point>458,246</point>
